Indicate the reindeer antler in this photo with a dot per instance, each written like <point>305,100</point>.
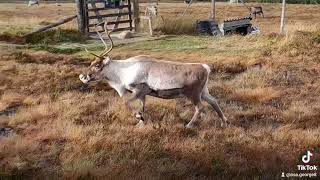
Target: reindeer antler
<point>92,53</point>
<point>106,51</point>
<point>109,37</point>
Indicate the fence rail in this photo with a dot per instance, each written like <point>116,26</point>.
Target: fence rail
<point>110,23</point>
<point>97,11</point>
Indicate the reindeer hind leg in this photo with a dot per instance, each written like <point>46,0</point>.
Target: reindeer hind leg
<point>213,102</point>
<point>198,108</point>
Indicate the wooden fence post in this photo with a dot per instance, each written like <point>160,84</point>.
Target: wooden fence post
<point>213,9</point>
<point>283,12</point>
<point>82,16</point>
<point>136,14</point>
<point>130,15</point>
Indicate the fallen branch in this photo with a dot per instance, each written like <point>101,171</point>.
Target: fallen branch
<point>62,21</point>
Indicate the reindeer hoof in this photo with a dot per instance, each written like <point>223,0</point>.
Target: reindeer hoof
<point>189,126</point>
<point>225,124</point>
<point>228,123</point>
<point>139,116</point>
<point>140,124</point>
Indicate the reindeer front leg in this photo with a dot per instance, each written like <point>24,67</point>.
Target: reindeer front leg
<point>139,92</point>
<point>137,114</point>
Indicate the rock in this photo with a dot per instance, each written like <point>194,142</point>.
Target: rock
<point>125,35</point>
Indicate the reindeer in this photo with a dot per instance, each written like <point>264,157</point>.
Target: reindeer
<point>33,2</point>
<point>256,10</point>
<point>143,75</point>
<point>151,11</point>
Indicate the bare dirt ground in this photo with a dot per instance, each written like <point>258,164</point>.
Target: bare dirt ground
<point>52,125</point>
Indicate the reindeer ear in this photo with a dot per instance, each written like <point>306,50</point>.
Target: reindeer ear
<point>106,60</point>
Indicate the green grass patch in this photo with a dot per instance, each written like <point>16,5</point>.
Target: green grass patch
<point>59,50</point>
<point>174,43</point>
<point>55,36</point>
<point>202,45</point>
<point>52,49</point>
<point>15,30</point>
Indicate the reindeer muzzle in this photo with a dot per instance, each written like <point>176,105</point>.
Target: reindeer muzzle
<point>84,78</point>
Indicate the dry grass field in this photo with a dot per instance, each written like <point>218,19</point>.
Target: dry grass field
<point>268,86</point>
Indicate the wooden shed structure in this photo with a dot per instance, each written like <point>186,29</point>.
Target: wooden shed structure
<point>119,14</point>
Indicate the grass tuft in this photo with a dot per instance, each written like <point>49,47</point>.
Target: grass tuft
<point>177,26</point>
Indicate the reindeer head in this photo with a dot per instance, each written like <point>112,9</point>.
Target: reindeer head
<point>94,72</point>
